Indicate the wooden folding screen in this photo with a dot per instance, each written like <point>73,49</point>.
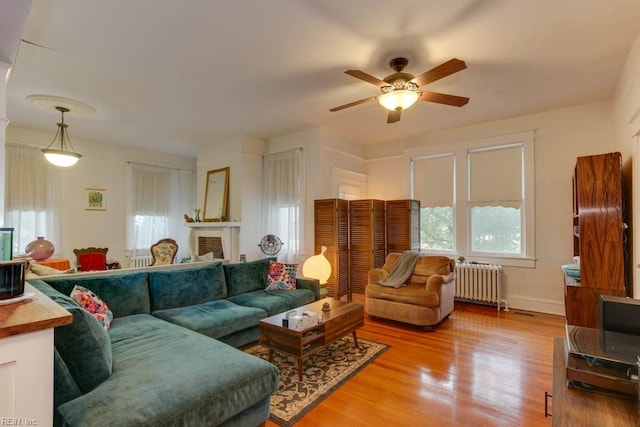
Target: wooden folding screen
<point>358,235</point>
<point>331,225</point>
<point>403,225</point>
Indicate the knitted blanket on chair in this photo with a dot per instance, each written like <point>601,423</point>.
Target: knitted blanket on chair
<point>401,270</point>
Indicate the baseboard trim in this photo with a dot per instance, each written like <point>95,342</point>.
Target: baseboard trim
<point>540,305</point>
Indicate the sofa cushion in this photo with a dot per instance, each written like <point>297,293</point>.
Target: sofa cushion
<point>156,382</point>
<point>281,276</point>
<point>274,302</point>
<point>84,345</point>
<point>414,294</point>
<point>182,287</point>
<point>93,304</point>
<point>243,277</point>
<point>126,293</point>
<point>214,319</point>
<point>65,386</point>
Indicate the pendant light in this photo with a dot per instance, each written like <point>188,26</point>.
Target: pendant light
<point>62,154</point>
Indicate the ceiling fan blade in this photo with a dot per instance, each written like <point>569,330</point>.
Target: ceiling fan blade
<point>394,116</point>
<point>443,70</point>
<point>351,104</point>
<point>442,98</point>
<point>367,78</point>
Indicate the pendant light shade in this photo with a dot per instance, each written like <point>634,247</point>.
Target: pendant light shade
<point>60,152</point>
<point>398,99</point>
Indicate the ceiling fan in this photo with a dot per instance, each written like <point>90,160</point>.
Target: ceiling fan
<point>400,90</point>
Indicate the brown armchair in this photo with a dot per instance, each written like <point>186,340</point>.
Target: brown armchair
<point>426,298</point>
<point>164,252</point>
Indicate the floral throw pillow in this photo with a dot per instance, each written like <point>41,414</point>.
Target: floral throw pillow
<point>281,276</point>
<point>93,304</point>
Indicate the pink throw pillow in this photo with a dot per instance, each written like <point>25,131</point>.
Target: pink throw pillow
<point>281,276</point>
<point>93,304</point>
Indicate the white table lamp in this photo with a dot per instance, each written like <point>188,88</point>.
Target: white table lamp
<point>317,267</point>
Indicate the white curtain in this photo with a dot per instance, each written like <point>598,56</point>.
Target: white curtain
<point>33,197</point>
<point>158,199</point>
<point>282,200</point>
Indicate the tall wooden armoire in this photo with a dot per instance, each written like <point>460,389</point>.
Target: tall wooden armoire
<point>403,225</point>
<point>331,229</point>
<point>367,242</point>
<point>598,236</point>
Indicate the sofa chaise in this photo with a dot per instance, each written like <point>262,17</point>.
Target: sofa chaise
<point>170,356</point>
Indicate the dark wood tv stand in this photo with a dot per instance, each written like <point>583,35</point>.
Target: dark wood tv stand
<point>576,407</point>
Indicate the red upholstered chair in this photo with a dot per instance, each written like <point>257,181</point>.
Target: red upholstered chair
<point>91,259</point>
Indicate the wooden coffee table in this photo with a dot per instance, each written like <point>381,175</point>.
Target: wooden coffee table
<point>343,318</point>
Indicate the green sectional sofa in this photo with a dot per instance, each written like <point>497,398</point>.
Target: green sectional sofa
<point>170,356</point>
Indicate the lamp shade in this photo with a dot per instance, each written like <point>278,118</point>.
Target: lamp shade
<point>317,267</point>
<point>401,99</point>
<point>61,158</point>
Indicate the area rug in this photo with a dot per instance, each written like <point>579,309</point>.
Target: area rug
<point>324,372</point>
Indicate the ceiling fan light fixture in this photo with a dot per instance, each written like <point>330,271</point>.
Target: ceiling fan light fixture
<point>63,154</point>
<point>398,99</point>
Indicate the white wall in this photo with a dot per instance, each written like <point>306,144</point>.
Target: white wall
<point>243,156</point>
<point>323,152</point>
<point>626,127</point>
<point>560,137</point>
<point>101,166</point>
<point>3,123</point>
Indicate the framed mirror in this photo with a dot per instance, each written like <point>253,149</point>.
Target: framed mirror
<point>216,195</point>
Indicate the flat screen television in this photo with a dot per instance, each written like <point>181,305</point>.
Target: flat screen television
<point>620,314</point>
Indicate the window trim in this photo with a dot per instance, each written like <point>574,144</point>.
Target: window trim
<point>461,210</point>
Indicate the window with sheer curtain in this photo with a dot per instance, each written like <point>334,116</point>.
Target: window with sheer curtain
<point>33,195</point>
<point>158,199</point>
<point>282,202</point>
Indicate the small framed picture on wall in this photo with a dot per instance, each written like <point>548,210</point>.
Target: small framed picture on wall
<point>95,199</point>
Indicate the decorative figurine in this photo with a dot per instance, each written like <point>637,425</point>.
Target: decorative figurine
<point>187,218</point>
<point>197,211</point>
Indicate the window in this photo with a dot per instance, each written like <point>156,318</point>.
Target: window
<point>158,198</point>
<point>32,196</point>
<point>477,199</point>
<point>495,199</point>
<point>283,185</point>
<point>433,179</point>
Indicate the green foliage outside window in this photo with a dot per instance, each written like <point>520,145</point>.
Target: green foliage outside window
<point>495,229</point>
<point>436,228</point>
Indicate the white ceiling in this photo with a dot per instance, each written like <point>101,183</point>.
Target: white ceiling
<point>169,75</point>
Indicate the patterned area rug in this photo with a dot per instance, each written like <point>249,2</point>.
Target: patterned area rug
<point>324,372</point>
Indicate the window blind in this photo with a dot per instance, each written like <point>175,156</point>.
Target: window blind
<point>495,176</point>
<point>433,180</point>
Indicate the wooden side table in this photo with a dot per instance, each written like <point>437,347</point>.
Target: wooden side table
<point>57,263</point>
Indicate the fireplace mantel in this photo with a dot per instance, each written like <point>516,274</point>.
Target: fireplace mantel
<point>228,232</point>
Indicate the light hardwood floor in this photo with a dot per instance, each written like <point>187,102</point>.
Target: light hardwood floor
<point>478,368</point>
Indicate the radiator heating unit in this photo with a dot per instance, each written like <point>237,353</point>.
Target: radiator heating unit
<point>481,284</point>
<point>140,261</point>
